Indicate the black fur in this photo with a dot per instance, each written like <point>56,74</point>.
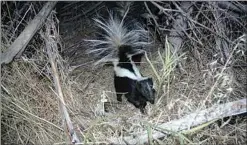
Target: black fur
<point>137,92</point>
<point>124,50</point>
<point>145,87</point>
<point>124,61</point>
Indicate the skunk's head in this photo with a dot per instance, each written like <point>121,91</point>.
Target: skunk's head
<point>145,87</point>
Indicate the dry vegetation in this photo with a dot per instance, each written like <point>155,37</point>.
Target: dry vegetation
<point>208,69</point>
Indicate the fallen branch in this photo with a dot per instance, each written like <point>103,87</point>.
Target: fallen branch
<point>50,37</point>
<point>19,45</point>
<point>185,123</point>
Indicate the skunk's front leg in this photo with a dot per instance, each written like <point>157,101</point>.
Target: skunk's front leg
<point>119,97</point>
<point>118,87</point>
<point>143,104</point>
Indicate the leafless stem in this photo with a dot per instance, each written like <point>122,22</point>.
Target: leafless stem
<point>52,53</point>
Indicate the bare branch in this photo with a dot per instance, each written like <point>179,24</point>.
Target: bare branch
<point>84,13</point>
<point>237,7</point>
<point>52,52</point>
<point>191,120</point>
<point>19,45</point>
<point>221,44</point>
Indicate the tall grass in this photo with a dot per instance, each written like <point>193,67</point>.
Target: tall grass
<point>169,62</point>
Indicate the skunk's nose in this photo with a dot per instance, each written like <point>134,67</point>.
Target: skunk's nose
<point>151,101</point>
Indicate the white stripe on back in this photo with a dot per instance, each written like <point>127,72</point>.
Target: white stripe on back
<point>123,72</point>
<point>136,70</point>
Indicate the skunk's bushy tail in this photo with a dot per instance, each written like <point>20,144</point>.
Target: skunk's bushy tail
<point>115,33</point>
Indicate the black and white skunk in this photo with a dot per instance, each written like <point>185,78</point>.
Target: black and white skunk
<point>121,43</point>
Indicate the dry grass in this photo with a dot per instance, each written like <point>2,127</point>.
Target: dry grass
<point>30,113</point>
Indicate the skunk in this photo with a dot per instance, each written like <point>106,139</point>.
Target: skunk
<point>121,43</point>
<point>127,79</point>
